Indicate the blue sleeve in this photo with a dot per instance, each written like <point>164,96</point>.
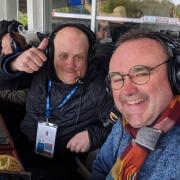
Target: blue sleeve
<point>107,154</point>
<point>13,80</point>
<point>5,71</point>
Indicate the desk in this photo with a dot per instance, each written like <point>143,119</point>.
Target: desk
<point>6,144</point>
<point>7,148</point>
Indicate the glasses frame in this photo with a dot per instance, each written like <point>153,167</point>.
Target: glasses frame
<point>130,77</point>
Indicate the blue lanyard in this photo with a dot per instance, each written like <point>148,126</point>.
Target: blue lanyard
<point>61,104</point>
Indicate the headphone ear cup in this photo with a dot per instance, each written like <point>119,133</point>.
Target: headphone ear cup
<point>50,49</point>
<point>109,90</point>
<point>108,85</point>
<point>91,56</point>
<point>15,46</point>
<point>174,74</point>
<point>173,48</point>
<point>50,57</point>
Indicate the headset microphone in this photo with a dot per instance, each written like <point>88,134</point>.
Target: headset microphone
<point>79,81</point>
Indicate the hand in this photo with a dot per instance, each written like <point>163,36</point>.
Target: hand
<point>79,143</point>
<point>31,60</point>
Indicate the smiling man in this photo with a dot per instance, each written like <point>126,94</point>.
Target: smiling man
<point>145,143</point>
<point>64,102</point>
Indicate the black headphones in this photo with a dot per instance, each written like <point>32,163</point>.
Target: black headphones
<point>91,38</point>
<point>14,45</point>
<point>173,49</point>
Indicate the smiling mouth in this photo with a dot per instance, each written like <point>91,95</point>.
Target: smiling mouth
<point>135,102</point>
<point>71,72</point>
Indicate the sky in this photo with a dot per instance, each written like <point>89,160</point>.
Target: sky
<point>176,1</point>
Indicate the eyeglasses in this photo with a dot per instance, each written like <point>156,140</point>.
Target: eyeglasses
<point>138,75</point>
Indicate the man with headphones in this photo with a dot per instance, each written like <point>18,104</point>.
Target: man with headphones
<point>144,79</point>
<point>12,102</point>
<point>64,102</point>
<point>11,42</point>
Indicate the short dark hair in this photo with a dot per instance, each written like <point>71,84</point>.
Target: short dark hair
<point>135,34</point>
<point>20,40</point>
<point>8,26</point>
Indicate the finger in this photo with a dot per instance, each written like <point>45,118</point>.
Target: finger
<point>32,65</point>
<point>27,69</point>
<point>82,150</point>
<point>28,65</point>
<point>37,58</point>
<point>72,147</point>
<point>35,52</point>
<point>68,145</point>
<point>77,149</point>
<point>38,62</point>
<point>43,45</point>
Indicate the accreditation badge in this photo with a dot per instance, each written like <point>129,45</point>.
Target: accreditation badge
<point>45,140</point>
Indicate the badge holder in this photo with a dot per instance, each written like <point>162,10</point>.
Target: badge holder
<point>45,140</point>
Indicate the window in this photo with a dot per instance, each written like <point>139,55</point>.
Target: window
<point>111,18</point>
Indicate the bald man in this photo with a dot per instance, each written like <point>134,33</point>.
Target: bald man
<point>65,99</point>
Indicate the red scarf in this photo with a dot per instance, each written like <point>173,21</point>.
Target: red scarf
<point>127,166</point>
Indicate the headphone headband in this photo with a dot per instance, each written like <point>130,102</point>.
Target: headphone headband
<point>91,39</point>
<point>90,35</point>
<point>173,48</point>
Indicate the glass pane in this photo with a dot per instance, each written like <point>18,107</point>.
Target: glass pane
<point>137,8</point>
<point>103,32</point>
<point>62,20</point>
<point>72,6</point>
<point>120,16</point>
<point>71,11</point>
<point>109,31</point>
<point>22,14</point>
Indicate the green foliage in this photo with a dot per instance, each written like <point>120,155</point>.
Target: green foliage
<point>176,12</point>
<point>139,8</point>
<point>109,5</point>
<point>23,18</point>
<point>156,8</point>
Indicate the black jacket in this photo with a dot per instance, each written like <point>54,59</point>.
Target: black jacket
<point>83,111</point>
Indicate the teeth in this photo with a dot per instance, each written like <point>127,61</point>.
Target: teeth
<point>138,101</point>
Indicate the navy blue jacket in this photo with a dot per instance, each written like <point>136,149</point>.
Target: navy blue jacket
<point>86,107</point>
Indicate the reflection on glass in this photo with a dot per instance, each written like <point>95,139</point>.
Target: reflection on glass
<point>62,20</point>
<point>137,8</point>
<point>108,31</point>
<point>103,33</point>
<point>22,13</point>
<point>72,6</point>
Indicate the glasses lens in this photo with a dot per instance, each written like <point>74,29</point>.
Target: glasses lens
<point>139,74</point>
<point>116,80</point>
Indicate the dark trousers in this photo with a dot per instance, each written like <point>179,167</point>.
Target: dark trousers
<point>13,115</point>
<point>61,167</point>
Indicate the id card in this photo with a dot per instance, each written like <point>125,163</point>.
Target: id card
<point>45,140</point>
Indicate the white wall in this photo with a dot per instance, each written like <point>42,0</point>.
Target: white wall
<point>8,10</point>
<point>39,15</point>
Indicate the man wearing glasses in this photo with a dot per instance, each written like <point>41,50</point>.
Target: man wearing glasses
<point>145,144</point>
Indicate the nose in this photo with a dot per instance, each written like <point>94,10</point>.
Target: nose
<point>70,62</point>
<point>129,87</point>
